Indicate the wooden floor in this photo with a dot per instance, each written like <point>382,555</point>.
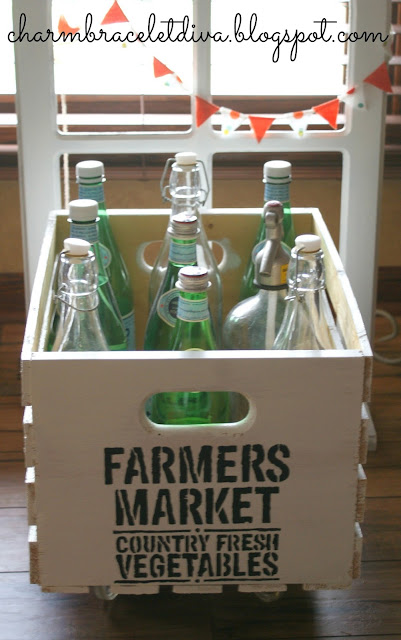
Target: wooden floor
<point>371,609</point>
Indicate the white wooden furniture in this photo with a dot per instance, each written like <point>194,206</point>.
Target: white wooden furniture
<point>40,143</point>
<point>116,501</point>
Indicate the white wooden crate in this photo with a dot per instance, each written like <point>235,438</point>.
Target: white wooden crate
<point>269,501</point>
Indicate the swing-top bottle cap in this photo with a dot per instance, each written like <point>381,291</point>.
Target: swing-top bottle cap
<point>274,206</point>
<point>186,158</point>
<point>89,171</point>
<point>184,225</point>
<point>76,246</point>
<point>276,169</point>
<point>308,243</point>
<point>83,210</point>
<point>193,279</point>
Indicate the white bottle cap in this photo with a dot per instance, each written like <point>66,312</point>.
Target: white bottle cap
<point>83,210</point>
<point>89,171</point>
<point>185,158</point>
<point>193,279</point>
<point>308,243</point>
<point>76,246</point>
<point>276,169</point>
<point>183,225</point>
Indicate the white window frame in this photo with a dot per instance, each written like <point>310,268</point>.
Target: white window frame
<point>361,142</point>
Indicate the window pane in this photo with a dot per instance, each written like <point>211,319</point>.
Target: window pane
<point>7,71</point>
<point>247,67</point>
<point>119,68</point>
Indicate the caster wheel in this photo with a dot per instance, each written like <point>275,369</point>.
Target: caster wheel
<point>104,593</point>
<point>269,597</point>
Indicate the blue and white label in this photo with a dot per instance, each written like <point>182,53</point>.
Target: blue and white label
<point>129,326</point>
<point>167,307</point>
<point>182,253</point>
<point>91,192</point>
<point>193,310</point>
<point>85,231</point>
<point>279,192</point>
<point>105,255</point>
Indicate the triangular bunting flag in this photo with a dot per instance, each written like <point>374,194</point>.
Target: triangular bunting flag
<point>203,110</point>
<point>114,14</point>
<point>299,120</point>
<point>64,27</point>
<point>329,111</point>
<point>160,69</point>
<point>355,97</point>
<point>230,120</point>
<point>260,125</point>
<point>380,78</point>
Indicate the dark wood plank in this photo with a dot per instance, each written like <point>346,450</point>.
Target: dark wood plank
<point>29,613</point>
<point>10,379</point>
<point>14,539</point>
<point>12,333</point>
<point>11,415</point>
<point>240,618</point>
<point>12,484</point>
<point>383,482</point>
<point>11,445</point>
<point>382,529</point>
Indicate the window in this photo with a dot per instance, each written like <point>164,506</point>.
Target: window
<point>106,87</point>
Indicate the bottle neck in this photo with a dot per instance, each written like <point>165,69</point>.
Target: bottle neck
<point>93,191</point>
<point>182,251</point>
<point>277,189</point>
<point>87,230</point>
<point>193,307</point>
<point>306,272</point>
<point>78,283</point>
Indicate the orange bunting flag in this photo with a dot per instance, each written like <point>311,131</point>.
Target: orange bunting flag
<point>380,78</point>
<point>64,27</point>
<point>329,111</point>
<point>203,110</point>
<point>114,14</point>
<point>160,69</point>
<point>260,125</point>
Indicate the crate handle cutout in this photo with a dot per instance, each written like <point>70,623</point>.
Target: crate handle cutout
<point>147,252</point>
<point>241,415</point>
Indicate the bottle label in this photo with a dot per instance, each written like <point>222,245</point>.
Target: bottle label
<point>182,253</point>
<point>85,231</point>
<point>278,191</point>
<point>105,254</point>
<point>129,326</point>
<point>91,192</point>
<point>167,307</point>
<point>193,310</point>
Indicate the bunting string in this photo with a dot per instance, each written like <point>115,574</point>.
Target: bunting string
<point>231,119</point>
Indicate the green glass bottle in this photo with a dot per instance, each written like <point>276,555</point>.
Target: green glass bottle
<point>192,332</point>
<point>90,177</point>
<point>83,224</point>
<point>183,232</point>
<point>277,179</point>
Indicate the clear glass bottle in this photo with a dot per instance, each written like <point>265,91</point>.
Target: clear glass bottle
<point>277,179</point>
<point>183,231</point>
<point>77,294</point>
<point>193,331</point>
<point>90,178</point>
<point>304,324</point>
<point>83,224</point>
<point>255,322</point>
<point>186,194</point>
